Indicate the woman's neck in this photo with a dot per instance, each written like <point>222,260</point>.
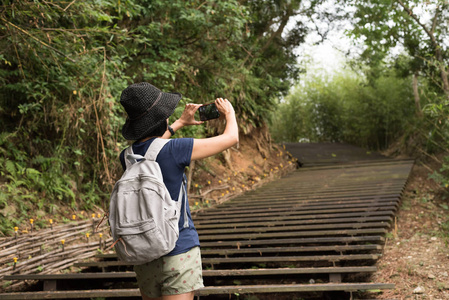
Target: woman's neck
<point>146,139</point>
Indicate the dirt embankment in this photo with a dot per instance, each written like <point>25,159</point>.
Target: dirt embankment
<point>416,254</point>
<point>255,161</point>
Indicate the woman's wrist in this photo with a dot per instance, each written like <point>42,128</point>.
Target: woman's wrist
<point>230,115</point>
<point>171,130</point>
<point>177,125</point>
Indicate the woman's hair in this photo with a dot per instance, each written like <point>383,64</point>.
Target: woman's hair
<point>159,130</point>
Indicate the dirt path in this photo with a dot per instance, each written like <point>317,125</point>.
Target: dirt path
<point>416,256</point>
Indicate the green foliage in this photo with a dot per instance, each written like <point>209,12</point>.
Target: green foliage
<point>442,176</point>
<point>63,66</point>
<point>346,108</point>
<point>420,29</point>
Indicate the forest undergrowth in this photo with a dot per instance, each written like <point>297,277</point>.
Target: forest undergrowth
<point>255,161</point>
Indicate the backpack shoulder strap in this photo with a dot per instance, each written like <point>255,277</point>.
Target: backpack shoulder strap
<point>129,157</point>
<point>151,154</point>
<point>155,148</point>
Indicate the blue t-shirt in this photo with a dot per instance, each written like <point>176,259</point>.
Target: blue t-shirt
<point>173,158</point>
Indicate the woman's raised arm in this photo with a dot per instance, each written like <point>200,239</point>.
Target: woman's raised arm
<point>203,148</point>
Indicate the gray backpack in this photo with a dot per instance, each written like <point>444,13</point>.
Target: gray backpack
<point>142,216</point>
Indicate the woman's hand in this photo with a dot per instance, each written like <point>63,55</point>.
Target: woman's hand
<point>188,115</point>
<point>187,118</point>
<point>203,148</point>
<point>224,107</point>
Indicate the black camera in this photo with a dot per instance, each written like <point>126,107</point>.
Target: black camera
<point>208,112</point>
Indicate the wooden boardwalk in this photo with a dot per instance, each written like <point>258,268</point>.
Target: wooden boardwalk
<point>317,231</point>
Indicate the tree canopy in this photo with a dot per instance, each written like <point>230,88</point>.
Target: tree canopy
<point>63,65</point>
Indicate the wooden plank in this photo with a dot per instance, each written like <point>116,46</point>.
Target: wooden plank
<point>79,294</point>
<point>233,217</point>
<point>70,276</point>
<point>264,259</point>
<point>249,219</point>
<point>290,208</point>
<point>312,196</point>
<point>387,219</point>
<point>206,273</point>
<point>323,192</point>
<point>320,240</point>
<point>255,236</point>
<point>211,290</point>
<point>289,202</point>
<point>309,200</point>
<point>288,271</point>
<point>219,260</point>
<point>296,249</point>
<point>291,288</point>
<point>261,251</point>
<point>296,228</point>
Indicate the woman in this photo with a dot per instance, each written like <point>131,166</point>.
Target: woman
<point>178,274</point>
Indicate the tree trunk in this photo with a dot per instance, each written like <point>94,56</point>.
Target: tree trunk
<point>190,175</point>
<point>416,95</point>
<point>444,77</point>
<point>431,34</point>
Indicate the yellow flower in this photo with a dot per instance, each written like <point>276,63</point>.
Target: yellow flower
<point>208,182</point>
<point>196,203</point>
<point>196,185</point>
<point>207,201</point>
<point>219,181</point>
<point>74,92</point>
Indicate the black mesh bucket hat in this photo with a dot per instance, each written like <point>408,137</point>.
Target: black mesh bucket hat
<point>146,106</point>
